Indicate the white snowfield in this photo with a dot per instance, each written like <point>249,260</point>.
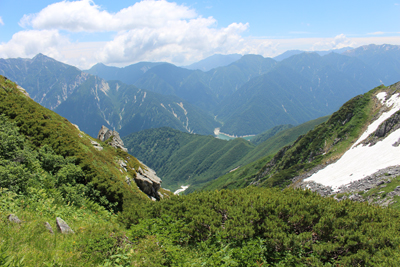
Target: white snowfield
<point>361,161</point>
<point>183,188</point>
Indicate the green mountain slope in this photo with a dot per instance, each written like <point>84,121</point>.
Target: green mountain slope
<point>258,139</point>
<point>55,142</point>
<point>182,158</point>
<point>128,109</point>
<point>250,165</point>
<point>327,142</point>
<point>187,159</point>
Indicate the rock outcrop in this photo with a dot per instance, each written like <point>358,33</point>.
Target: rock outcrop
<point>146,179</point>
<point>112,138</point>
<point>96,145</point>
<point>63,227</point>
<point>148,182</point>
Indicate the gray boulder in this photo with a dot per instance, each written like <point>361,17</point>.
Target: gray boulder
<point>63,227</point>
<point>13,218</point>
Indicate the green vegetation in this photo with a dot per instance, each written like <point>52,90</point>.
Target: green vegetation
<point>187,159</point>
<point>246,227</point>
<point>325,143</point>
<point>269,133</point>
<point>43,150</point>
<point>49,169</point>
<point>268,227</point>
<point>181,158</point>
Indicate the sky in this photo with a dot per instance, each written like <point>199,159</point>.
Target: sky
<point>119,33</point>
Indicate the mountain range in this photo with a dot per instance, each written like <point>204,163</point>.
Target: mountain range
<point>246,97</point>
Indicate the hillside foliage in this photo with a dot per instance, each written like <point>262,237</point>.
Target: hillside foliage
<point>48,143</point>
<point>195,160</point>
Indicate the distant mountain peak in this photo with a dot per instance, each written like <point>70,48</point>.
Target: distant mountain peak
<point>41,56</point>
<point>214,61</point>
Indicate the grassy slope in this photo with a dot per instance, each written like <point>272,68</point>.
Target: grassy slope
<point>254,161</point>
<point>44,127</point>
<point>182,159</point>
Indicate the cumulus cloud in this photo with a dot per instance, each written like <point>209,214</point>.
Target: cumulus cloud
<point>176,41</point>
<point>1,21</point>
<point>31,42</point>
<point>151,30</point>
<point>340,41</point>
<point>85,15</point>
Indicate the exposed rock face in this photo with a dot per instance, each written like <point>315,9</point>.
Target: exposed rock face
<point>385,128</point>
<point>116,141</point>
<point>63,226</point>
<point>148,182</point>
<point>96,145</point>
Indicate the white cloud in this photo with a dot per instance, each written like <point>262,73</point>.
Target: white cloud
<point>30,43</point>
<point>338,42</point>
<point>176,41</point>
<point>85,15</point>
<point>376,33</point>
<point>1,21</point>
<point>148,30</point>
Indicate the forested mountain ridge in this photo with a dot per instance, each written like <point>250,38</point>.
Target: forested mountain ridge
<point>89,102</point>
<point>128,109</point>
<point>187,159</point>
<point>329,80</point>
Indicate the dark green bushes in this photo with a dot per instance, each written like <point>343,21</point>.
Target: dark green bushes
<point>267,226</point>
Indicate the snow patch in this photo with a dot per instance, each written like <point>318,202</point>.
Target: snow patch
<point>183,188</point>
<point>360,160</point>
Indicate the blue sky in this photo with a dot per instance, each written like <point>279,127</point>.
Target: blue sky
<point>119,33</point>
